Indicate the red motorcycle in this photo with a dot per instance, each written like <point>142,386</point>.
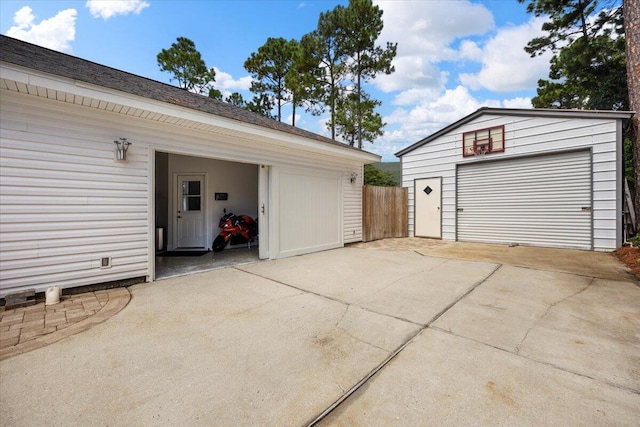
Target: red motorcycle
<point>235,228</point>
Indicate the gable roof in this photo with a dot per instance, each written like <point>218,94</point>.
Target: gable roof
<point>45,60</point>
<point>534,112</point>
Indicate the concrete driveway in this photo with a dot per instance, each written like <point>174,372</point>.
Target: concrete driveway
<point>401,332</point>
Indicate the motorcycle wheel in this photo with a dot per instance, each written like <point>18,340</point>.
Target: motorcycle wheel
<point>219,243</point>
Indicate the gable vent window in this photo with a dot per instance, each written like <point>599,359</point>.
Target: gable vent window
<point>483,141</point>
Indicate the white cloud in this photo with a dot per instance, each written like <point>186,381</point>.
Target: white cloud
<point>417,95</point>
<point>425,31</point>
<point>506,66</point>
<point>470,50</point>
<point>225,81</point>
<point>105,9</point>
<point>411,72</point>
<point>406,126</point>
<point>422,27</point>
<point>518,102</point>
<point>53,33</point>
<point>226,84</point>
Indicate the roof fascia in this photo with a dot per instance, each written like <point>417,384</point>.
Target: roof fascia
<point>32,77</point>
<point>578,114</point>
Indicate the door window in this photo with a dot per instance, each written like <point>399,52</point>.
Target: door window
<point>191,196</point>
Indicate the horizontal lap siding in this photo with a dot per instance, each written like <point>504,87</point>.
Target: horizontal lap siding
<point>65,203</point>
<point>524,136</point>
<point>64,197</point>
<point>352,199</point>
<point>440,162</point>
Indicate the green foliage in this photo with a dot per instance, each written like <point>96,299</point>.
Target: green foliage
<point>186,65</point>
<point>269,67</point>
<point>300,81</point>
<point>215,94</point>
<point>324,46</point>
<point>236,99</point>
<point>588,69</point>
<point>362,22</point>
<point>261,104</point>
<point>356,119</point>
<point>344,47</point>
<point>374,176</point>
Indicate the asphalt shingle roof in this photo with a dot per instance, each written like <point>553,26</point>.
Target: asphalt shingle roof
<point>38,58</point>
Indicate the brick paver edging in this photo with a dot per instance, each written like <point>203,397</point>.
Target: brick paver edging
<point>118,298</point>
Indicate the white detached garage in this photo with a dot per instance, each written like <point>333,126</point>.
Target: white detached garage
<point>72,213</point>
<point>534,177</point>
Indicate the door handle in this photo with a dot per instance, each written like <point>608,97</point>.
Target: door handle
<point>179,216</point>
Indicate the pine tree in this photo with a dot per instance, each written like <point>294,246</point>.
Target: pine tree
<point>187,66</point>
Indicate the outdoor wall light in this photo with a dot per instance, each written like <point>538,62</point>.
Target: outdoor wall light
<point>354,176</point>
<point>122,146</point>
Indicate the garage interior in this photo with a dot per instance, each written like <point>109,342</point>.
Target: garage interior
<point>187,224</point>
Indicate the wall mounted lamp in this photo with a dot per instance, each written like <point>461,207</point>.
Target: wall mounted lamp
<point>354,176</point>
<point>122,146</point>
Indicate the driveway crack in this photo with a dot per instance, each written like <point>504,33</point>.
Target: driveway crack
<point>393,355</point>
<point>547,311</point>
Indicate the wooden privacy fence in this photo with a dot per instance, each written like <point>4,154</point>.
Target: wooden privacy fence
<point>385,212</point>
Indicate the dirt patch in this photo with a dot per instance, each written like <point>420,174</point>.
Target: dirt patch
<point>630,256</point>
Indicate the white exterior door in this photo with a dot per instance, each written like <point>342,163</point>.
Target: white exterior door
<point>190,223</point>
<point>538,200</point>
<point>428,207</point>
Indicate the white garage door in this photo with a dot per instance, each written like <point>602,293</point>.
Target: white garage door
<point>541,201</point>
<point>309,212</point>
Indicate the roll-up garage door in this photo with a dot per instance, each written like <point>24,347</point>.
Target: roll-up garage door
<point>539,200</point>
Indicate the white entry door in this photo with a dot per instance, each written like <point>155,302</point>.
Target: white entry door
<point>428,207</point>
<point>190,223</point>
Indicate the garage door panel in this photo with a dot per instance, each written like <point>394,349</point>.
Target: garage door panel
<point>542,200</point>
<point>309,212</point>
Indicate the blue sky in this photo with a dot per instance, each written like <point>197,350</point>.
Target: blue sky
<point>454,56</point>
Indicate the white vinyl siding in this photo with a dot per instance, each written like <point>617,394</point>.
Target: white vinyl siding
<point>525,136</point>
<point>65,203</point>
<point>353,205</point>
<point>539,200</point>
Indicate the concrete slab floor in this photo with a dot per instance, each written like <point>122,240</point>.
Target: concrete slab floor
<point>441,379</point>
<point>279,342</point>
<point>172,266</point>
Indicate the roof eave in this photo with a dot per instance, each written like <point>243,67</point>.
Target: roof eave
<point>533,112</point>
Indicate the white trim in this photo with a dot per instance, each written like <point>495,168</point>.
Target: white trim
<point>151,276</point>
<point>264,202</point>
<point>31,77</point>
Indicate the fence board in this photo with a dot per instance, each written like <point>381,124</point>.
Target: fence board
<point>385,212</point>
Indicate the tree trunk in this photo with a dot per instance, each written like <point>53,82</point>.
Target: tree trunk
<point>293,107</point>
<point>632,40</point>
